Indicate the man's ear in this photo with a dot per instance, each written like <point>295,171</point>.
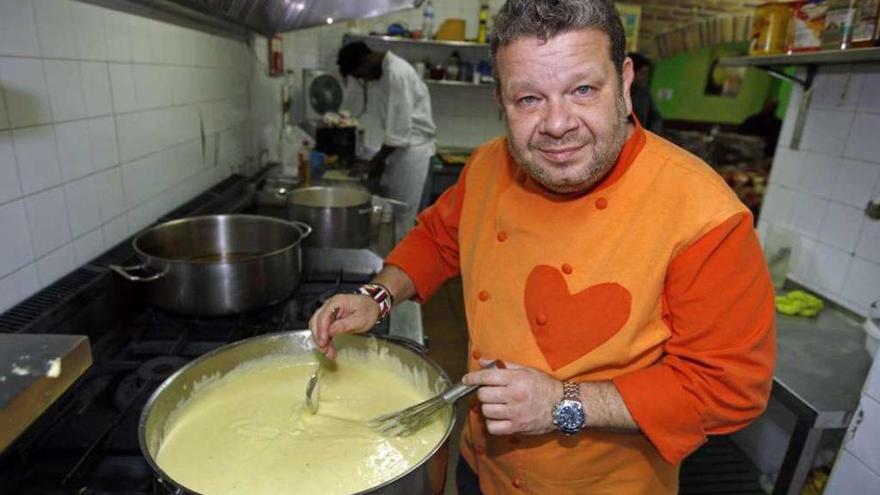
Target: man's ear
<point>628,74</point>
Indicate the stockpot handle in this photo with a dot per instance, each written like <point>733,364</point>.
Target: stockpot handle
<point>370,209</point>
<point>394,202</point>
<point>124,272</point>
<point>304,229</point>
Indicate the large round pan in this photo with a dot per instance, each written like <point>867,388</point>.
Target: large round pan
<point>426,478</point>
<point>219,264</point>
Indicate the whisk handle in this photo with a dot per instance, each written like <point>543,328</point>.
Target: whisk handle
<point>459,390</point>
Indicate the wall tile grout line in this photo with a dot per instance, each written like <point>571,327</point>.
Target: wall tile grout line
<point>120,62</point>
<point>129,112</point>
<point>205,78</point>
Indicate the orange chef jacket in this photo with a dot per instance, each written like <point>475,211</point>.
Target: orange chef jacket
<point>654,279</point>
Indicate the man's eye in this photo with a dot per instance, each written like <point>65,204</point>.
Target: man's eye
<point>584,90</point>
<point>526,100</point>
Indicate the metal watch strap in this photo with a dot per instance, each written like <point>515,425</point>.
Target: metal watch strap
<point>571,391</point>
<point>381,295</point>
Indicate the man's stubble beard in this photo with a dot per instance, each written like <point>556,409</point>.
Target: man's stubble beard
<point>604,154</point>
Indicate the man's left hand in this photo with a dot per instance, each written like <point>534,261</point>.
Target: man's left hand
<point>517,399</point>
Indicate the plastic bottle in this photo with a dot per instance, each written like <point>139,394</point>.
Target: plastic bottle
<point>483,30</point>
<point>305,164</point>
<point>428,21</point>
<point>452,66</point>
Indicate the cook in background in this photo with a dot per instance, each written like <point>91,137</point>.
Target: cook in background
<point>640,92</point>
<point>617,275</point>
<point>401,164</point>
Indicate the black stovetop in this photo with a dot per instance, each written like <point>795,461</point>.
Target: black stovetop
<point>87,441</point>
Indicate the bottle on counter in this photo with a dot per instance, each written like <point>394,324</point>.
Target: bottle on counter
<point>453,64</point>
<point>428,21</point>
<point>483,29</point>
<point>305,164</point>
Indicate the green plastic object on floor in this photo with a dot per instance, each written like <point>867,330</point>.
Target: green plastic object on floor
<point>799,303</point>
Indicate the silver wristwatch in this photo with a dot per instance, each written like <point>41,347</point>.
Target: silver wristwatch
<point>568,414</point>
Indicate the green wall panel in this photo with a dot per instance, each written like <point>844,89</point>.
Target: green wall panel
<point>683,77</point>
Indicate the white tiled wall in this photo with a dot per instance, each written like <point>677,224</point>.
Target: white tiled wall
<point>101,119</point>
<point>857,469</point>
<point>465,116</point>
<point>820,191</point>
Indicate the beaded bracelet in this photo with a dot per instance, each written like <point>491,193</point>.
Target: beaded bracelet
<point>381,295</point>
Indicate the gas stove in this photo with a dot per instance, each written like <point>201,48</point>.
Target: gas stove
<point>87,441</point>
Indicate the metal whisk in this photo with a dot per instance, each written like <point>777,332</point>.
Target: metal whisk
<point>408,421</point>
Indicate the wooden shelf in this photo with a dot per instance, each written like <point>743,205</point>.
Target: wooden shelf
<point>412,42</point>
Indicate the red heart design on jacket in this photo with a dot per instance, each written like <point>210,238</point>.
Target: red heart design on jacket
<point>568,326</point>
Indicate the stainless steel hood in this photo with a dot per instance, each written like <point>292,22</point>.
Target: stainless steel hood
<point>270,17</point>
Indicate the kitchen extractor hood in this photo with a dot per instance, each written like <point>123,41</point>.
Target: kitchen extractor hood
<point>269,17</point>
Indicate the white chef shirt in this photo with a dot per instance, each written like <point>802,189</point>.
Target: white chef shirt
<point>404,104</point>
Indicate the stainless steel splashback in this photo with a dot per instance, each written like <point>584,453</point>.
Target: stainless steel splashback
<point>269,17</point>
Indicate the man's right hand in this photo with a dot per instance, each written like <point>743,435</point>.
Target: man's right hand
<point>342,313</point>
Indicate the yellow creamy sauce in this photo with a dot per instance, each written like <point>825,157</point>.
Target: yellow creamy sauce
<point>249,431</point>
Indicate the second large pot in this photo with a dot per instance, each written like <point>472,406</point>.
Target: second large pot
<point>220,264</point>
<point>340,216</point>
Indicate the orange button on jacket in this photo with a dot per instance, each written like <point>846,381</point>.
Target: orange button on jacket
<point>654,280</point>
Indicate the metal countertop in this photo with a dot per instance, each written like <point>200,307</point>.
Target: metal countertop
<point>821,366</point>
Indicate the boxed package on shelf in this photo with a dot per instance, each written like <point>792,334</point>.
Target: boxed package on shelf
<point>850,23</point>
<point>807,24</point>
<point>839,21</point>
<point>866,22</point>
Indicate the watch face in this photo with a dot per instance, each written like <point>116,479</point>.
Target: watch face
<point>569,416</point>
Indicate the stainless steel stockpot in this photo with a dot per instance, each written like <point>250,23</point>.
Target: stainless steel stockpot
<point>426,478</point>
<point>220,264</point>
<point>340,216</point>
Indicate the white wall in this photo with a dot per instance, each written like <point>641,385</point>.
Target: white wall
<point>102,112</point>
<point>465,116</point>
<point>820,191</point>
<point>857,469</point>
<point>101,118</point>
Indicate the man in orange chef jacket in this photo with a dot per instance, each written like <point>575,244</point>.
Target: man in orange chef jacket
<point>616,275</point>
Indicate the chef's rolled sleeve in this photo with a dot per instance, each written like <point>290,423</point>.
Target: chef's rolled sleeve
<point>716,374</point>
<point>429,253</point>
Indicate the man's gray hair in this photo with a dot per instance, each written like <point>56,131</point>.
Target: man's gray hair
<point>545,19</point>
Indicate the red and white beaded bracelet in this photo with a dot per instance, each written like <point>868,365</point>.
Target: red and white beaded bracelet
<point>381,295</point>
